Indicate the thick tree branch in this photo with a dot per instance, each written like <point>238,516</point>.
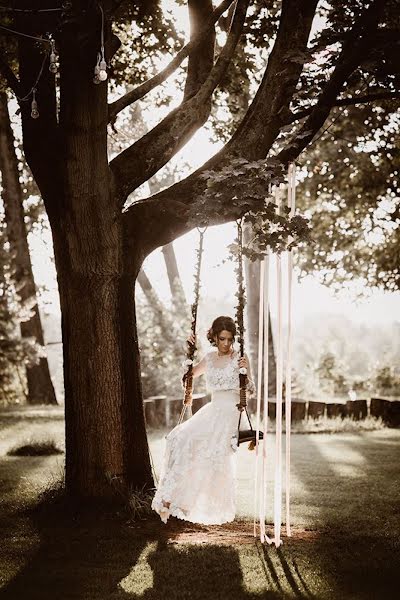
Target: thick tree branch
<point>361,99</point>
<point>143,89</point>
<point>139,162</point>
<point>9,77</point>
<point>162,218</point>
<point>355,48</point>
<point>40,136</point>
<point>201,59</point>
<point>269,110</point>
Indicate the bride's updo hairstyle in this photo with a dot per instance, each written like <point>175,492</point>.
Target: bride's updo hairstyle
<point>221,324</point>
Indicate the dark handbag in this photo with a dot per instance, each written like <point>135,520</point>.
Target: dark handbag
<point>248,435</point>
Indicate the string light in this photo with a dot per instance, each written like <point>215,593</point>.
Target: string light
<point>34,106</point>
<point>53,68</point>
<point>100,69</point>
<point>32,91</point>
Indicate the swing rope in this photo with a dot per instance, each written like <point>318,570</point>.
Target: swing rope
<point>191,348</point>
<point>250,435</point>
<point>239,316</point>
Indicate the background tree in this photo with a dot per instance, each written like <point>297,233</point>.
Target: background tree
<point>16,352</point>
<point>99,245</point>
<point>40,386</point>
<point>353,171</point>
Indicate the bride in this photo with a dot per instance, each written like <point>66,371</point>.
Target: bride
<point>197,480</point>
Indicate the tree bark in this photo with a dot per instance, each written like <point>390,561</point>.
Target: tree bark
<point>106,444</point>
<point>40,386</point>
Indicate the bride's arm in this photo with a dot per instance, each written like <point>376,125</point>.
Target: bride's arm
<point>199,368</point>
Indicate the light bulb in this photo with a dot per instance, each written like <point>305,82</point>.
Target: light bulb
<point>34,110</point>
<point>102,75</point>
<point>53,63</point>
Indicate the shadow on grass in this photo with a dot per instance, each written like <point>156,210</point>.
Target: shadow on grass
<point>105,559</point>
<point>352,556</point>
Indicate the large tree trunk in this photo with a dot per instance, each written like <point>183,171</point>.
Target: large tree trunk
<point>105,428</point>
<point>40,386</point>
<point>106,444</point>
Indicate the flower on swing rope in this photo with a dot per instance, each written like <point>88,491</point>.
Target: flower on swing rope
<point>186,364</point>
<point>243,371</point>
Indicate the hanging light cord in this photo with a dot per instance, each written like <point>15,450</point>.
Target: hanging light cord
<point>102,31</point>
<point>32,37</point>
<point>34,87</point>
<point>30,10</point>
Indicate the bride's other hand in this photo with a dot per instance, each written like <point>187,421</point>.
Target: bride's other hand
<point>242,362</point>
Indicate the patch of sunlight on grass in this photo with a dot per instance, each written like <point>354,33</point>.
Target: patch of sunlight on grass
<point>347,462</point>
<point>141,578</point>
<point>253,571</point>
<point>14,432</point>
<point>345,470</point>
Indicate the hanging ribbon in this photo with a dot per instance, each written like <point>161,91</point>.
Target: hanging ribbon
<point>291,200</point>
<point>259,384</point>
<point>278,419</point>
<point>263,536</point>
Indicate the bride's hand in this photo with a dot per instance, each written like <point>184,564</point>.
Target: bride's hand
<point>242,362</point>
<point>191,339</point>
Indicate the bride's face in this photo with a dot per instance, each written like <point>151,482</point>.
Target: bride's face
<point>224,341</point>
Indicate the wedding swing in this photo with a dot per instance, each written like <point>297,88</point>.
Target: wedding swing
<point>255,435</point>
<point>243,435</point>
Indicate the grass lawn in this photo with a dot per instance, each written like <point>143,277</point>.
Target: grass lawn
<point>345,520</point>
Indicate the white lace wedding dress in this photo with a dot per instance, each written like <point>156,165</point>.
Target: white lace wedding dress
<point>198,477</point>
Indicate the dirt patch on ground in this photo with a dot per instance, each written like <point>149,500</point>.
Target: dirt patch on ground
<point>179,532</point>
